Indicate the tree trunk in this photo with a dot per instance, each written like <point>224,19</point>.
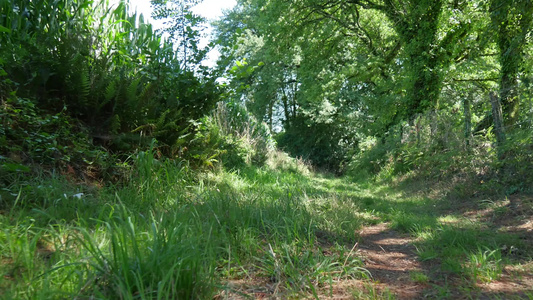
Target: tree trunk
<point>468,121</point>
<point>418,30</point>
<point>433,123</point>
<point>286,110</point>
<point>270,115</point>
<point>418,127</point>
<point>425,90</point>
<point>510,57</point>
<point>294,108</point>
<point>512,20</point>
<point>498,123</point>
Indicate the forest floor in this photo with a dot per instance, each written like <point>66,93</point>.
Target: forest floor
<point>398,271</point>
<point>262,233</point>
<point>423,246</point>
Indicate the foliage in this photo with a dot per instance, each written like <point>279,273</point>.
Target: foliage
<point>413,76</point>
<point>316,142</point>
<point>129,170</point>
<point>242,128</point>
<point>31,137</point>
<point>106,67</point>
<point>184,28</point>
<point>512,23</point>
<point>414,152</point>
<point>169,232</point>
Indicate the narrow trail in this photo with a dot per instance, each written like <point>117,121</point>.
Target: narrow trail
<point>391,256</point>
<point>391,260</point>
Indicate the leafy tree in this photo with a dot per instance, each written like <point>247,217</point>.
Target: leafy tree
<point>430,35</point>
<point>184,29</point>
<point>512,21</point>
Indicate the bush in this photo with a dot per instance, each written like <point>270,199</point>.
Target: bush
<point>247,141</point>
<point>324,145</point>
<point>30,136</point>
<point>237,153</point>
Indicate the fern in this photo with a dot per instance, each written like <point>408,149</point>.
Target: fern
<point>115,124</point>
<point>179,143</point>
<point>131,93</point>
<point>80,83</point>
<point>145,97</point>
<point>110,93</point>
<point>146,129</point>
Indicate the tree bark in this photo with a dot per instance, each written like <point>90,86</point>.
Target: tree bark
<point>512,20</point>
<point>270,115</point>
<point>468,121</point>
<point>418,32</point>
<point>498,123</point>
<point>286,109</point>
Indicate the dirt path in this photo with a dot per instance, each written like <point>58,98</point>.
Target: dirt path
<point>396,272</point>
<point>391,260</point>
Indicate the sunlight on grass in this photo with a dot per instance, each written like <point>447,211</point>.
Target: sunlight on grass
<point>485,265</point>
<point>167,234</point>
<point>449,219</point>
<point>419,277</point>
<point>232,180</point>
<point>372,292</point>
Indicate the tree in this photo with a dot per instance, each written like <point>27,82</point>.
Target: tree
<point>512,20</point>
<point>271,86</point>
<point>429,33</point>
<point>183,27</point>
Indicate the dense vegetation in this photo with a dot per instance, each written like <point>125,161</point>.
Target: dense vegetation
<point>374,85</point>
<point>130,170</point>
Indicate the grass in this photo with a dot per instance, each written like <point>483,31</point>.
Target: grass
<point>370,292</point>
<point>167,233</point>
<point>485,265</point>
<point>419,277</point>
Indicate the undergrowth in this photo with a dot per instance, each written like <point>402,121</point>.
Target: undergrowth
<point>171,232</point>
<point>167,234</point>
<point>237,214</point>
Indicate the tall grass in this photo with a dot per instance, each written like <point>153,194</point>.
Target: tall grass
<point>169,234</point>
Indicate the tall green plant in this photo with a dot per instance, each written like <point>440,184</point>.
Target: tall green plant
<point>106,66</point>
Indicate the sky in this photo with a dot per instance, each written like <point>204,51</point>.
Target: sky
<point>209,9</point>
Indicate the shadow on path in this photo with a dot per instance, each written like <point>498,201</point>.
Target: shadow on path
<point>391,260</point>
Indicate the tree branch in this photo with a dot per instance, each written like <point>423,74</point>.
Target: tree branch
<point>476,79</point>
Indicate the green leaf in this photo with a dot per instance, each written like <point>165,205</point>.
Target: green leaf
<point>4,29</point>
<point>15,168</point>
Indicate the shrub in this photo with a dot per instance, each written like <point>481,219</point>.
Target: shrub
<point>247,141</point>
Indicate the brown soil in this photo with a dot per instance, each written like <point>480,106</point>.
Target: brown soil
<point>391,260</point>
<point>387,255</point>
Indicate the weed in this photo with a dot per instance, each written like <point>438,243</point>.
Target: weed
<point>371,292</point>
<point>419,277</point>
<point>485,265</point>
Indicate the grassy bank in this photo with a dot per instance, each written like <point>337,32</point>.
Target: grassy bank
<point>167,233</point>
<point>279,230</point>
